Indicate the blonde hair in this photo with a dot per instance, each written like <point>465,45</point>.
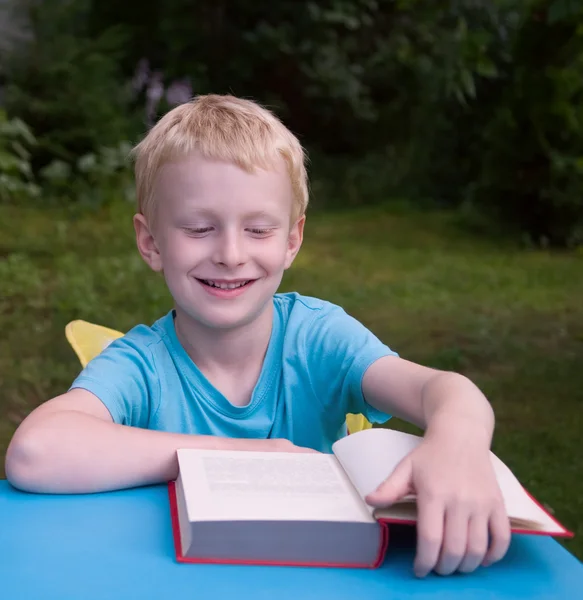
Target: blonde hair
<point>220,128</point>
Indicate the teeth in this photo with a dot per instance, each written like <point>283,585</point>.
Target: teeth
<point>225,286</point>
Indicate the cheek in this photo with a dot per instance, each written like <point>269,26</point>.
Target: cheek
<point>178,253</point>
<point>273,255</point>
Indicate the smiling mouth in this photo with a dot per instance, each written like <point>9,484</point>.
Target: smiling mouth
<point>223,285</point>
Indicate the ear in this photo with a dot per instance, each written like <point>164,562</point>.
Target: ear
<point>146,243</point>
<point>295,238</point>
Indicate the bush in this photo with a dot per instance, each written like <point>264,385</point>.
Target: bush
<point>65,84</point>
<point>16,178</point>
<point>95,179</point>
<point>531,176</point>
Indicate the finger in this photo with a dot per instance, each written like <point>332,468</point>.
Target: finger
<point>455,540</point>
<point>500,536</point>
<point>477,544</point>
<point>395,487</point>
<point>430,516</point>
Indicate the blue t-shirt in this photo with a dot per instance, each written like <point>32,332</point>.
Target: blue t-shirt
<point>310,380</point>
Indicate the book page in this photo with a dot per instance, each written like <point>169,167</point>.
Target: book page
<point>370,456</point>
<point>223,485</point>
<point>522,509</point>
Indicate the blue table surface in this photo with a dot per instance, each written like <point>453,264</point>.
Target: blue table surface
<point>119,545</point>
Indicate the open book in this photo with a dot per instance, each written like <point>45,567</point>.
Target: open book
<point>308,509</point>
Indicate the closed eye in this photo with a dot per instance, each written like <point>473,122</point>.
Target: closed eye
<point>261,231</point>
<point>197,230</point>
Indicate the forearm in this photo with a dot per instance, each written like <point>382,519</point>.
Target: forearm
<point>78,453</point>
<point>453,404</point>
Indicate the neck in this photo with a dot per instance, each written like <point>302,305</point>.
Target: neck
<point>227,349</point>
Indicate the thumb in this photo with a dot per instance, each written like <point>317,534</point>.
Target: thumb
<point>395,487</point>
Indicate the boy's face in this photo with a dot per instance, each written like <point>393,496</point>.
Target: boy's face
<point>222,237</point>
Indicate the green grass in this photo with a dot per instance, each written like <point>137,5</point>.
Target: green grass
<point>510,318</point>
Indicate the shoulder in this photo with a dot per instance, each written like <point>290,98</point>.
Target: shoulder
<point>317,325</point>
<point>141,343</point>
<point>150,335</point>
<point>314,317</point>
<point>332,350</point>
<point>125,375</point>
<point>292,305</point>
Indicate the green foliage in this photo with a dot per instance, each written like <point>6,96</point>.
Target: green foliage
<point>94,179</point>
<point>346,74</point>
<point>64,83</point>
<point>532,144</point>
<point>342,182</point>
<point>16,178</point>
<point>470,103</point>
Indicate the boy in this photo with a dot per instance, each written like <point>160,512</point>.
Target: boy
<point>222,195</point>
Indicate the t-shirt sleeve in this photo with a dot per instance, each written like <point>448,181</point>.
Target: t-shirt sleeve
<point>339,349</point>
<point>123,377</point>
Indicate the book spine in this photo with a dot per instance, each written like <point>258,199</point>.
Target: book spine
<point>385,534</point>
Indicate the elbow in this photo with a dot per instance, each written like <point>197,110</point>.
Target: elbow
<point>23,464</point>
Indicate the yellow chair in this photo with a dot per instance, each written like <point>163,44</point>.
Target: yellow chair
<point>88,340</point>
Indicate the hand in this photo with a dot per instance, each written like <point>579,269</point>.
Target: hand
<point>459,504</point>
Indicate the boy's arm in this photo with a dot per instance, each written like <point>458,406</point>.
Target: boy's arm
<point>462,521</point>
<point>70,444</point>
<point>427,397</point>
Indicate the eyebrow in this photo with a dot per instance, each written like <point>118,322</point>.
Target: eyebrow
<point>261,214</point>
<point>197,212</point>
<point>209,213</point>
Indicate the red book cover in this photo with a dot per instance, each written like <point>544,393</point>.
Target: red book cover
<point>383,541</point>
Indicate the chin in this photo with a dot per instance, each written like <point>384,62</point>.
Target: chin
<point>222,316</point>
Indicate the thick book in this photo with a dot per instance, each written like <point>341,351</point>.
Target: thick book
<point>308,509</point>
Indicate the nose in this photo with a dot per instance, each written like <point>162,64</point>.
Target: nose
<point>230,250</point>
